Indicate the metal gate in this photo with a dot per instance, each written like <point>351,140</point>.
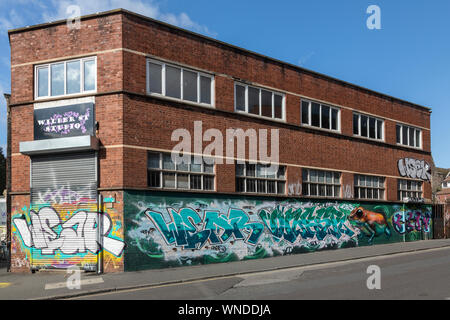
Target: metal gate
<point>64,211</point>
<point>438,221</point>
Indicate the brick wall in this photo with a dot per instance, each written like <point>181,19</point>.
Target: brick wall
<point>130,123</point>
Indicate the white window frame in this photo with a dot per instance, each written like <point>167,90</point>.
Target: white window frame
<point>176,171</point>
<point>244,177</point>
<point>49,88</point>
<point>308,182</point>
<point>360,115</point>
<point>401,143</point>
<point>309,125</point>
<point>357,185</point>
<point>246,86</point>
<point>401,191</point>
<point>163,82</point>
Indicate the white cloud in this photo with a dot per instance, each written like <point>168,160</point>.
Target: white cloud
<point>17,16</point>
<point>302,61</point>
<point>147,8</point>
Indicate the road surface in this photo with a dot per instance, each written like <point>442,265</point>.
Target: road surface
<point>413,275</point>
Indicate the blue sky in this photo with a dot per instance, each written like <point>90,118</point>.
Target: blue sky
<point>408,58</point>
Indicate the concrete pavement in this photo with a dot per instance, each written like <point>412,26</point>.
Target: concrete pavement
<point>419,275</point>
<point>51,285</point>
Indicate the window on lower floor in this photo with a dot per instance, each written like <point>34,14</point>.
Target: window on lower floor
<point>163,173</point>
<point>260,178</point>
<point>369,187</point>
<point>409,189</point>
<point>318,183</point>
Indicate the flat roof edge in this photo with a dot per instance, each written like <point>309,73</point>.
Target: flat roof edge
<point>121,10</point>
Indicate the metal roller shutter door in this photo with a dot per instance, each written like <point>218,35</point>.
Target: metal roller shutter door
<point>64,210</point>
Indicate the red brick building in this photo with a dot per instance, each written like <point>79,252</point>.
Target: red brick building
<point>93,110</point>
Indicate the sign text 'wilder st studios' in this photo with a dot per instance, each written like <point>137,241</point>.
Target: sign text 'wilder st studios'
<point>66,121</point>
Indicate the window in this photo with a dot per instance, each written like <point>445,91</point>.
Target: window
<point>369,187</point>
<point>409,136</point>
<point>259,178</point>
<point>162,172</point>
<point>66,78</point>
<point>179,83</point>
<point>369,127</point>
<point>409,189</point>
<point>317,183</point>
<point>259,102</point>
<point>319,115</point>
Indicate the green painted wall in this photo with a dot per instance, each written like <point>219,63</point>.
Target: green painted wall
<point>170,229</point>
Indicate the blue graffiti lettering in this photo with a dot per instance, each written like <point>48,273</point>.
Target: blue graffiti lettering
<point>188,230</point>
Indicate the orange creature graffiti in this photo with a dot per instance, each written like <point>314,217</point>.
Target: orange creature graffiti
<point>371,223</point>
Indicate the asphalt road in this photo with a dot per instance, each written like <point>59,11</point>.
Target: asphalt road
<point>416,275</point>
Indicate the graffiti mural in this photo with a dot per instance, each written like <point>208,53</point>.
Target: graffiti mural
<point>407,222</point>
<point>371,223</point>
<point>188,230</point>
<point>60,235</point>
<point>164,230</point>
<point>77,235</point>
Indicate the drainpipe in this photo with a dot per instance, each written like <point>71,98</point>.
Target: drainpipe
<point>100,235</point>
<point>8,179</point>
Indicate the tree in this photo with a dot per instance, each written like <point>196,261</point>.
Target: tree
<point>2,172</point>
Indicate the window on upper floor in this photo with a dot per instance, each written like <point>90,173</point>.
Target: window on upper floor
<point>259,102</point>
<point>163,173</point>
<point>409,136</point>
<point>409,189</point>
<point>318,183</point>
<point>368,127</point>
<point>258,178</point>
<point>319,115</point>
<point>369,187</point>
<point>180,83</point>
<point>66,78</point>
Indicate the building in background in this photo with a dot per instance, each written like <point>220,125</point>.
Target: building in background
<point>443,196</point>
<point>94,118</point>
<point>437,178</point>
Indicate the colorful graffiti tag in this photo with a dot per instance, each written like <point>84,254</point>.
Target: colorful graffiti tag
<point>164,230</point>
<point>182,230</point>
<point>60,235</point>
<point>414,220</point>
<point>77,235</point>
